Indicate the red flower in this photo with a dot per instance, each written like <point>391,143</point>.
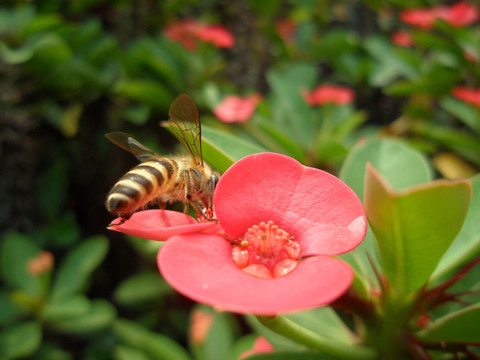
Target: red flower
<point>470,96</point>
<point>261,345</point>
<point>402,38</point>
<point>216,35</point>
<point>279,224</point>
<point>189,30</point>
<point>283,221</point>
<point>324,94</point>
<point>457,15</point>
<point>422,18</point>
<point>237,109</point>
<point>462,14</point>
<point>286,29</point>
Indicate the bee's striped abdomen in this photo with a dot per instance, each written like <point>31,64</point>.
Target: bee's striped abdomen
<point>139,186</point>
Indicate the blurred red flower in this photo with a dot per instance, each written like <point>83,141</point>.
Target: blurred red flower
<point>236,108</point>
<point>188,31</point>
<point>462,14</point>
<point>261,345</point>
<point>470,96</point>
<point>459,14</point>
<point>286,29</point>
<point>402,38</point>
<point>324,94</point>
<point>279,223</point>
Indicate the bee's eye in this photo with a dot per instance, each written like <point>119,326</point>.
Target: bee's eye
<point>212,183</point>
<point>214,180</point>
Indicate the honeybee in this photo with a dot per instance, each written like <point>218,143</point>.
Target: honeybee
<point>166,179</point>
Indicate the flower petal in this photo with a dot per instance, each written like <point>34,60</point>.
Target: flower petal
<point>200,266</point>
<point>323,214</point>
<point>162,224</point>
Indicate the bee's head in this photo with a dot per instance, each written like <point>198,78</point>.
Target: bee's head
<point>206,197</point>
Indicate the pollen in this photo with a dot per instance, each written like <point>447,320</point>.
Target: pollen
<point>266,251</point>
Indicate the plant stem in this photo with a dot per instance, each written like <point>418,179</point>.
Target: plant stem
<point>301,335</point>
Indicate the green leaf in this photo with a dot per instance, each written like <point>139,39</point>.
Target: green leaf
<point>15,252</point>
<point>74,272</point>
<point>141,288</point>
<point>225,148</point>
<point>460,326</point>
<point>293,355</point>
<point>467,243</point>
<point>322,321</point>
<point>12,20</point>
<point>148,92</point>
<point>99,316</point>
<point>52,189</point>
<point>20,341</point>
<point>463,143</point>
<point>278,139</point>
<point>150,53</point>
<point>155,346</point>
<point>50,51</point>
<point>67,307</point>
<point>388,64</point>
<point>401,165</point>
<point>219,335</point>
<point>49,351</point>
<point>245,343</point>
<point>122,352</point>
<point>290,110</point>
<point>414,227</point>
<point>15,56</point>
<point>466,113</point>
<point>9,311</point>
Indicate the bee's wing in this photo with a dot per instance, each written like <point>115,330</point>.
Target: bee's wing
<point>129,143</point>
<point>186,125</point>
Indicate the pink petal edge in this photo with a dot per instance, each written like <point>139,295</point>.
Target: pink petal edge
<point>162,224</point>
<point>200,267</point>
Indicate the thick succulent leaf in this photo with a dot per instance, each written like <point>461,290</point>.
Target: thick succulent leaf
<point>74,272</point>
<point>402,166</point>
<point>20,341</point>
<point>460,326</point>
<point>155,346</point>
<point>467,244</point>
<point>414,227</point>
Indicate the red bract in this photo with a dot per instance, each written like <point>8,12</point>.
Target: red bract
<point>306,206</point>
<point>325,94</point>
<point>462,14</point>
<point>261,345</point>
<point>216,35</point>
<point>422,18</point>
<point>286,29</point>
<point>189,30</point>
<point>458,15</point>
<point>402,38</point>
<point>236,108</point>
<point>470,96</point>
<point>161,225</point>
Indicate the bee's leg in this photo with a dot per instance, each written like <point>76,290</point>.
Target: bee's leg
<point>198,210</point>
<point>162,205</point>
<point>188,197</point>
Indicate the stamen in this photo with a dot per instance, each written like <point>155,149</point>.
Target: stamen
<point>266,251</point>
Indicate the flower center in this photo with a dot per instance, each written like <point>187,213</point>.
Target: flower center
<point>266,251</point>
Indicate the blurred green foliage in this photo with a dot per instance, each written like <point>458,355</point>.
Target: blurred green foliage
<point>71,71</point>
